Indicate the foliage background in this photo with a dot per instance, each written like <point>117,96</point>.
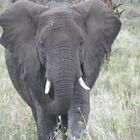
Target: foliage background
<point>115,98</point>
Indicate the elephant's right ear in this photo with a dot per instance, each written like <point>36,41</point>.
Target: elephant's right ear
<point>102,27</point>
<point>18,23</point>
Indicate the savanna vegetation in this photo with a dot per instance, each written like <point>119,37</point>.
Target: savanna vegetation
<point>115,98</point>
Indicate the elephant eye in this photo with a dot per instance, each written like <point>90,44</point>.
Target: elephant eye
<point>42,44</point>
<point>81,43</point>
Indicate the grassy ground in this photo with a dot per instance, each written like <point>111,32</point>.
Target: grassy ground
<point>115,98</point>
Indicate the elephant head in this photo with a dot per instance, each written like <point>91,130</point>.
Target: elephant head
<point>68,43</point>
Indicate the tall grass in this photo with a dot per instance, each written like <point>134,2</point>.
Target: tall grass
<point>115,98</point>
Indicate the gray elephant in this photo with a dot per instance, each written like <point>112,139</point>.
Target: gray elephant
<point>53,55</point>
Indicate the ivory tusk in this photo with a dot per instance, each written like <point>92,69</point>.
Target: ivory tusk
<point>47,87</point>
<point>82,84</point>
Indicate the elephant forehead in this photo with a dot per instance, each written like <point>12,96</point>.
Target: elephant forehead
<point>55,17</point>
<point>62,19</point>
<point>60,16</point>
<point>57,12</point>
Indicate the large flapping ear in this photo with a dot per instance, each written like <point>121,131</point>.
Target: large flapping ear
<point>19,29</point>
<point>18,23</point>
<point>102,26</point>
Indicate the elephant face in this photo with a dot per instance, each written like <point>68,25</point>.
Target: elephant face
<point>60,41</point>
<point>70,42</point>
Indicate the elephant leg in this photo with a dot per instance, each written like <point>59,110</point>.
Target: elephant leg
<point>78,113</point>
<point>46,124</point>
<point>64,125</point>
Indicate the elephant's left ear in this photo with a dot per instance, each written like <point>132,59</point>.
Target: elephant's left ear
<point>102,26</point>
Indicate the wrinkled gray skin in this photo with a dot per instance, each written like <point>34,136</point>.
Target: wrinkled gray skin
<point>60,43</point>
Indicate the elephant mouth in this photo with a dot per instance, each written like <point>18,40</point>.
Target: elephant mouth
<point>80,81</point>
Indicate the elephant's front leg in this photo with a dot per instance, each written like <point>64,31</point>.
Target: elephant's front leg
<point>78,113</point>
<point>64,126</point>
<point>46,124</point>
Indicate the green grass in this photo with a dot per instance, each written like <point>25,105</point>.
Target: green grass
<point>115,98</point>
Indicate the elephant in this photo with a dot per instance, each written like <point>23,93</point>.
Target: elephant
<point>54,53</point>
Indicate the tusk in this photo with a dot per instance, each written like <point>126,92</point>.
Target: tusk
<point>82,83</point>
<point>47,87</point>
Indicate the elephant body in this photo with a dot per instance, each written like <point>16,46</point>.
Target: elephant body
<point>53,54</point>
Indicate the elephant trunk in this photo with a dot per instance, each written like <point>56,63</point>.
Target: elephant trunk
<point>62,76</point>
<point>63,93</point>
